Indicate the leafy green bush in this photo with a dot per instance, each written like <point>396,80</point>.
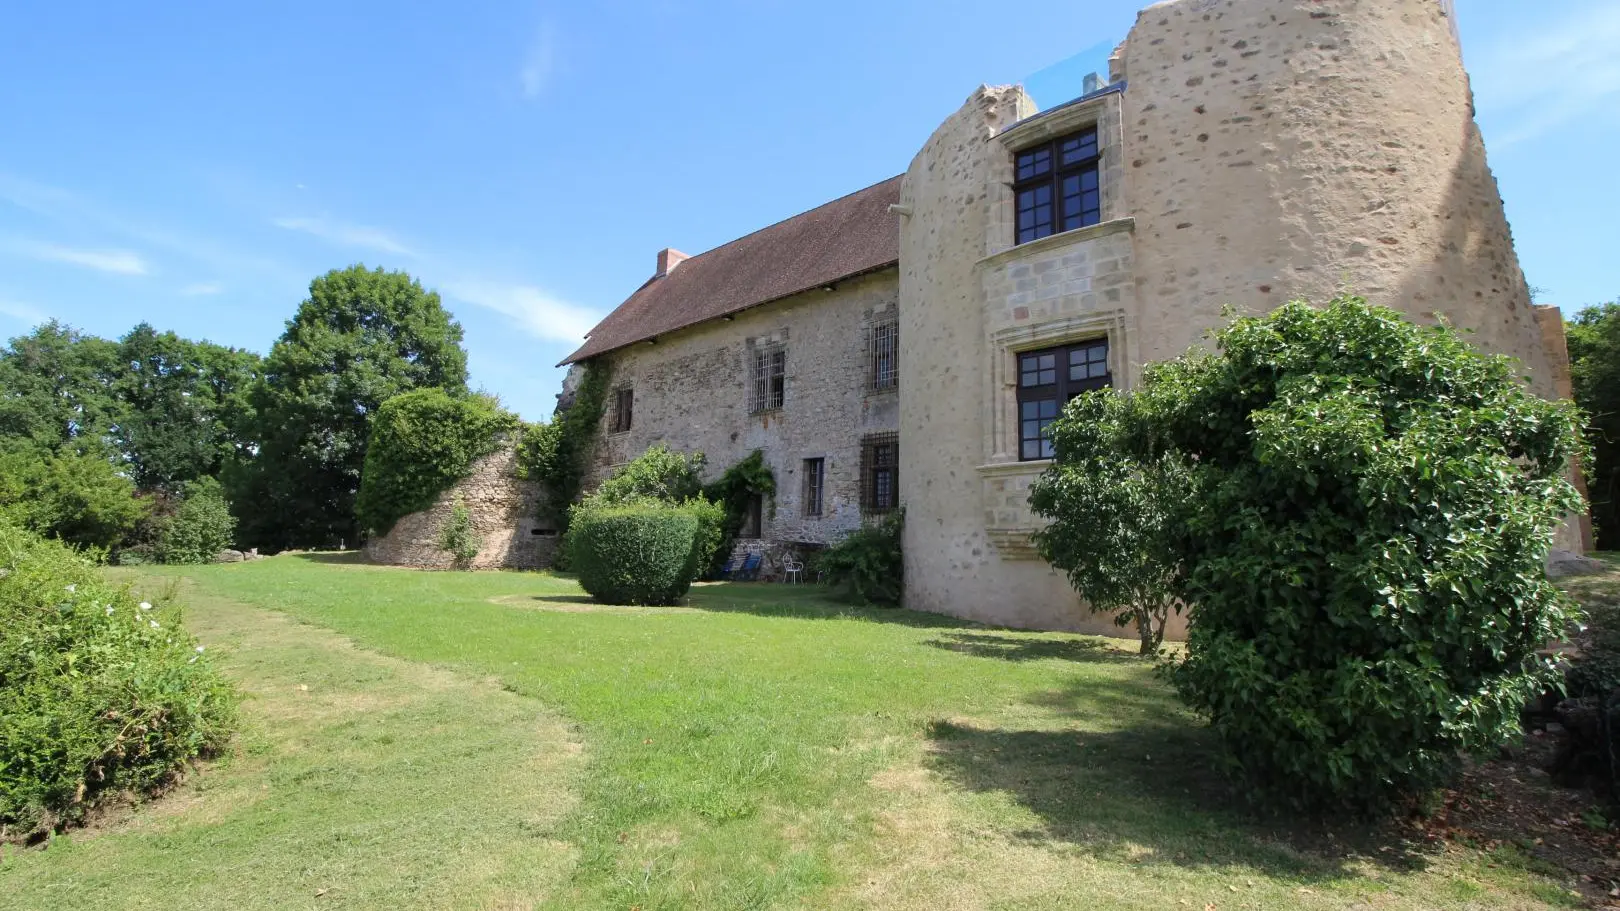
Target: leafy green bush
<point>1112,514</point>
<point>456,537</point>
<point>1364,510</point>
<point>99,693</point>
<point>867,565</point>
<point>735,491</point>
<point>642,553</point>
<point>659,473</point>
<point>558,454</point>
<point>201,528</point>
<point>422,442</point>
<point>75,497</point>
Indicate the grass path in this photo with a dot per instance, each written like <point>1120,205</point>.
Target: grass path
<point>360,781</point>
<point>762,748</point>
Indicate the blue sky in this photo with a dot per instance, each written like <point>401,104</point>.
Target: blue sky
<point>194,165</point>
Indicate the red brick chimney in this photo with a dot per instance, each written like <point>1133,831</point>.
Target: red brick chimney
<point>668,259</point>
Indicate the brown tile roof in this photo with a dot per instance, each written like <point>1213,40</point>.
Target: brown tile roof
<point>846,237</point>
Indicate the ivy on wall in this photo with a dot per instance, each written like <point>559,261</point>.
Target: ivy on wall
<point>558,454</point>
<point>734,491</point>
<point>422,443</point>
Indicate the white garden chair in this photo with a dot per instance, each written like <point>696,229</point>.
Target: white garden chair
<point>792,570</point>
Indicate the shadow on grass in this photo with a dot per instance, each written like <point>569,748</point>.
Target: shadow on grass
<point>340,557</point>
<point>1026,648</point>
<point>807,602</point>
<point>1149,793</point>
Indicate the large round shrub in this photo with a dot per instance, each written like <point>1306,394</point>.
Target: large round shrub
<point>1364,511</point>
<point>422,442</point>
<point>643,553</point>
<point>201,528</point>
<point>100,693</point>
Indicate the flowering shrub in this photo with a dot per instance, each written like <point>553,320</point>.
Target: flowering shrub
<point>100,692</point>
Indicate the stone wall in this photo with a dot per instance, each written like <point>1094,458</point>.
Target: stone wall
<point>1258,151</point>
<point>503,509</point>
<point>691,393</point>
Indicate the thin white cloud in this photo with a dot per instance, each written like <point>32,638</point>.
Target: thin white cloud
<point>120,262</point>
<point>73,211</point>
<point>21,312</point>
<point>1565,70</point>
<point>201,289</point>
<point>539,62</point>
<point>346,235</point>
<point>536,312</point>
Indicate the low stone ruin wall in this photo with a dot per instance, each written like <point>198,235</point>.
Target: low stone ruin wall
<point>504,510</point>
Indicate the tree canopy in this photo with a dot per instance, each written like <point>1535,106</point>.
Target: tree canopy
<point>362,337</point>
<point>1362,512</point>
<point>1594,361</point>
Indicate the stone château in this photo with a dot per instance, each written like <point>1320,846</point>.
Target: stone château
<point>906,345</point>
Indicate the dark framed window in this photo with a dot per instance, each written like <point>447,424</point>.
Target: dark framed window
<point>815,485</point>
<point>624,402</point>
<point>880,473</point>
<point>883,357</point>
<point>767,387</point>
<point>1056,187</point>
<point>753,518</point>
<point>1047,379</point>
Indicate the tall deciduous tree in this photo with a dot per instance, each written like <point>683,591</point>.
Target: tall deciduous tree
<point>56,389</point>
<point>1594,359</point>
<point>185,404</point>
<point>362,337</point>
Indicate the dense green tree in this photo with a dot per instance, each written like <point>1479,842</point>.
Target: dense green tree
<point>362,337</point>
<point>200,528</point>
<point>56,389</point>
<point>1594,359</point>
<point>77,497</point>
<point>185,406</point>
<point>1361,515</point>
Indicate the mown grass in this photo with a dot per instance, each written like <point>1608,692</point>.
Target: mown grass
<point>767,748</point>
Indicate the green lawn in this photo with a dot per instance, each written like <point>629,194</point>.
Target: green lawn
<point>494,740</point>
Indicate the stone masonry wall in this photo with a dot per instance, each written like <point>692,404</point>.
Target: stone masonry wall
<point>503,509</point>
<point>691,393</point>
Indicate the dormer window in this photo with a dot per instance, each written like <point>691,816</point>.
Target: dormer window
<point>1056,185</point>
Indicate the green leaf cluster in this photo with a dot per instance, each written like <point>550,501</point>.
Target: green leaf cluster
<point>99,693</point>
<point>867,565</point>
<point>456,538</point>
<point>558,454</point>
<point>422,442</point>
<point>74,496</point>
<point>1594,366</point>
<point>1113,503</point>
<point>362,337</point>
<point>735,491</point>
<point>200,528</point>
<point>643,553</point>
<point>1362,514</point>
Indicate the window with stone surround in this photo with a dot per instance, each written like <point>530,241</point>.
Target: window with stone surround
<point>767,380</point>
<point>1056,185</point>
<point>623,409</point>
<point>883,356</point>
<point>815,485</point>
<point>1047,380</point>
<point>880,473</point>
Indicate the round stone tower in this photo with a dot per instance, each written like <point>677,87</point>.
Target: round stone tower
<point>1279,149</point>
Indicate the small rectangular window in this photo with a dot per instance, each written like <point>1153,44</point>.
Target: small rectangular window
<point>624,401</point>
<point>815,483</point>
<point>883,357</point>
<point>767,388</point>
<point>1056,186</point>
<point>1047,380</point>
<point>880,473</point>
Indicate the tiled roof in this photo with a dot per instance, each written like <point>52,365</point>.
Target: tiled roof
<point>846,237</point>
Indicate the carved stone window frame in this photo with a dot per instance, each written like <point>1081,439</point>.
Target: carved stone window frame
<point>1103,111</point>
<point>1001,444</point>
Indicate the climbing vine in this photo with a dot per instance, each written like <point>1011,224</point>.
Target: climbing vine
<point>558,454</point>
<point>734,490</point>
